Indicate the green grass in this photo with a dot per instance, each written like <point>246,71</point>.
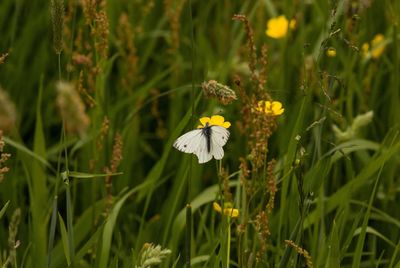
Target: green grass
<point>82,206</point>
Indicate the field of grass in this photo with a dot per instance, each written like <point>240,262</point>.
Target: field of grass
<point>94,93</point>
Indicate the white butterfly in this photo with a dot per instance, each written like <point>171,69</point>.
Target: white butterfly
<point>205,142</point>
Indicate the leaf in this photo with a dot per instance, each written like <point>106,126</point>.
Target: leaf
<point>317,174</point>
<point>39,193</point>
<point>333,248</point>
<point>110,224</point>
<point>352,186</point>
<point>20,147</point>
<point>64,237</point>
<point>205,197</point>
<point>82,175</point>
<point>3,210</point>
<point>373,231</point>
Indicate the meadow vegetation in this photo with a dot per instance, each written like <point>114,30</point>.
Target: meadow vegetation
<point>93,94</point>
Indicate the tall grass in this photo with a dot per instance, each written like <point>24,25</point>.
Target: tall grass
<point>92,179</point>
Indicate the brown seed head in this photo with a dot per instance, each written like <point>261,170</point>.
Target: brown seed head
<point>126,36</point>
<point>8,114</point>
<point>3,158</point>
<point>101,33</point>
<point>173,11</point>
<point>3,58</point>
<point>57,18</point>
<point>302,252</point>
<point>261,223</point>
<point>271,185</point>
<point>72,109</point>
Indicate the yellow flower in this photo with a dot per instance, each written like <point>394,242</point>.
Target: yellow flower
<point>331,52</point>
<point>270,108</point>
<point>215,120</point>
<point>365,49</point>
<point>277,27</point>
<point>228,210</point>
<point>377,47</point>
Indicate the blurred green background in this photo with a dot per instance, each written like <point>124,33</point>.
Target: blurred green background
<point>132,74</point>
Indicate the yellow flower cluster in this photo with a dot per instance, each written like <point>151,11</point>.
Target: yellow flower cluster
<point>376,49</point>
<point>277,28</point>
<point>331,52</point>
<point>228,210</point>
<point>215,120</point>
<point>273,108</point>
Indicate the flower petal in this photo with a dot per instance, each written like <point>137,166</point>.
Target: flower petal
<point>204,120</point>
<point>292,24</point>
<point>231,212</point>
<point>217,207</point>
<point>276,105</point>
<point>267,106</point>
<point>277,108</point>
<point>226,124</point>
<point>377,46</point>
<point>279,112</point>
<point>217,120</point>
<point>277,27</point>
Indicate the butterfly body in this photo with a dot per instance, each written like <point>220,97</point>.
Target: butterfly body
<point>205,142</point>
<point>207,133</point>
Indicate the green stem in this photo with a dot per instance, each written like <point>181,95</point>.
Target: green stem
<point>228,246</point>
<point>188,233</point>
<point>188,206</point>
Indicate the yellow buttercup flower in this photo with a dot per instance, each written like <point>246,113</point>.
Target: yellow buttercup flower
<point>376,49</point>
<point>377,46</point>
<point>277,27</point>
<point>331,52</point>
<point>270,108</point>
<point>215,120</point>
<point>365,49</point>
<point>228,210</point>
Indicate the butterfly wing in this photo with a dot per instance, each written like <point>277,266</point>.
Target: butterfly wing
<point>190,142</point>
<point>219,137</point>
<point>202,153</point>
<point>195,142</point>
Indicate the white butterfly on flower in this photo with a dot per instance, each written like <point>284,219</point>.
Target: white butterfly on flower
<point>207,140</point>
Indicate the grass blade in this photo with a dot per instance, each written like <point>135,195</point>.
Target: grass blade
<point>64,238</point>
<point>4,209</point>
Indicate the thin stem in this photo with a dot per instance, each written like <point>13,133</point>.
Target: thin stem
<point>188,233</point>
<point>59,66</point>
<point>188,206</point>
<point>228,246</point>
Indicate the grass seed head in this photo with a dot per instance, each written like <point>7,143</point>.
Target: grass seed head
<point>302,252</point>
<point>127,37</point>
<point>101,32</point>
<point>252,50</point>
<point>8,114</point>
<point>13,244</point>
<point>261,224</point>
<point>57,18</point>
<point>3,58</point>
<point>151,255</point>
<point>222,93</point>
<point>173,11</point>
<point>3,158</point>
<point>72,109</point>
<point>271,185</point>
